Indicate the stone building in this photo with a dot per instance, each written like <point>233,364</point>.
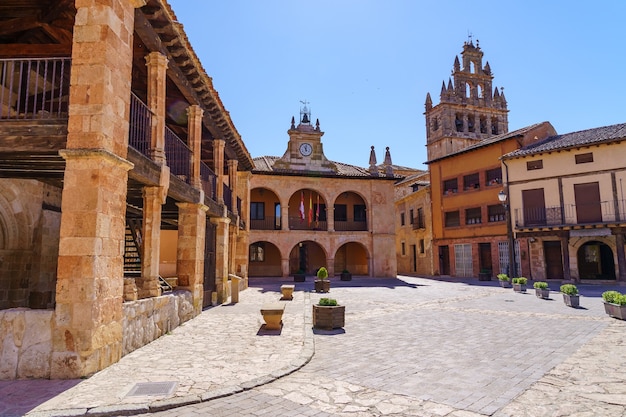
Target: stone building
<point>469,110</point>
<point>567,201</point>
<point>115,150</point>
<point>307,211</point>
<point>414,224</point>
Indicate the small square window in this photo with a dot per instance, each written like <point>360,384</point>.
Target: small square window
<point>452,219</point>
<point>584,158</point>
<point>536,164</point>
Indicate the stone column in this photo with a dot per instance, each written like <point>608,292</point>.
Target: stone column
<point>218,161</point>
<point>88,314</point>
<point>221,257</point>
<point>330,218</point>
<point>157,77</point>
<point>232,181</point>
<point>148,283</point>
<point>194,124</point>
<point>284,216</point>
<point>284,264</point>
<point>330,266</point>
<point>565,253</point>
<point>190,250</point>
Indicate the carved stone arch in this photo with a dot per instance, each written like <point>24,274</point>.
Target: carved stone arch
<point>14,220</point>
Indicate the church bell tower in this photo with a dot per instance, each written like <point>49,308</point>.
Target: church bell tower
<point>469,110</point>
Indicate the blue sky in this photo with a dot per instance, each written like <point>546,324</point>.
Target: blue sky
<point>365,66</point>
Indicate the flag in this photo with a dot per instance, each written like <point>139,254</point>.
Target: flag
<point>301,205</point>
<point>310,207</point>
<point>317,209</point>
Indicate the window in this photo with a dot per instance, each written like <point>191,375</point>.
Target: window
<point>401,219</point>
<point>493,176</point>
<point>257,211</point>
<point>420,218</point>
<point>583,158</point>
<point>496,213</point>
<point>415,187</point>
<point>471,182</point>
<point>458,122</point>
<point>359,213</point>
<point>257,252</point>
<point>463,260</point>
<point>403,246</point>
<point>322,211</point>
<point>483,124</point>
<point>470,123</point>
<point>422,249</point>
<point>472,216</point>
<point>494,126</point>
<point>411,217</point>
<point>341,213</point>
<point>450,186</point>
<point>452,219</point>
<point>536,164</point>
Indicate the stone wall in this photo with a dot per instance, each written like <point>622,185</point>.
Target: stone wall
<point>25,344</point>
<point>148,319</point>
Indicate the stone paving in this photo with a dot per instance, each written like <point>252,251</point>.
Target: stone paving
<point>410,347</point>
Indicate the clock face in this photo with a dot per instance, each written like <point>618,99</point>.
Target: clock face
<point>306,149</point>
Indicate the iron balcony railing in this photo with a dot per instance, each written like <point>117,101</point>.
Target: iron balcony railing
<point>36,88</point>
<point>268,223</point>
<point>603,212</point>
<point>139,126</point>
<point>209,180</point>
<point>177,155</point>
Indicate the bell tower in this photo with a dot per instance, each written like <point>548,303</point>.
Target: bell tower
<point>469,109</point>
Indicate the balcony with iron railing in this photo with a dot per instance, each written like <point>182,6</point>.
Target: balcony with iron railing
<point>267,223</point>
<point>34,89</point>
<point>568,215</point>
<point>178,156</point>
<point>208,179</point>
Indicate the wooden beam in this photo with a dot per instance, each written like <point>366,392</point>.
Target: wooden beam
<point>27,50</point>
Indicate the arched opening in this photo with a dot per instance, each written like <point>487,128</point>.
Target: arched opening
<point>264,260</point>
<point>307,211</point>
<point>265,210</point>
<point>350,212</point>
<point>472,67</point>
<point>307,256</point>
<point>468,90</point>
<point>351,257</point>
<point>595,261</point>
<point>479,90</point>
<point>458,122</point>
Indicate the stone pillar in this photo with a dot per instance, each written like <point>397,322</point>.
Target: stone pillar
<point>190,250</point>
<point>194,124</point>
<point>88,314</point>
<point>330,218</point>
<point>157,77</point>
<point>221,257</point>
<point>284,264</point>
<point>232,181</point>
<point>330,266</point>
<point>565,253</point>
<point>148,282</point>
<point>284,216</point>
<point>218,161</point>
<point>621,259</point>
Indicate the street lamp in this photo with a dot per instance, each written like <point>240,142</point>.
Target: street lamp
<point>502,196</point>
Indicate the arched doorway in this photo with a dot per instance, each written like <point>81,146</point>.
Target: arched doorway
<point>595,261</point>
<point>307,256</point>
<point>264,260</point>
<point>352,257</point>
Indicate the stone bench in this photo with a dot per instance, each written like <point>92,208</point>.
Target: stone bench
<point>287,291</point>
<point>273,315</point>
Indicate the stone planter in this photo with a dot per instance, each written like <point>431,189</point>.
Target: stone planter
<point>322,285</point>
<point>328,317</point>
<point>346,276</point>
<point>299,277</point>
<point>505,284</point>
<point>287,291</point>
<point>615,310</point>
<point>541,293</point>
<point>519,287</point>
<point>571,300</point>
<point>484,276</point>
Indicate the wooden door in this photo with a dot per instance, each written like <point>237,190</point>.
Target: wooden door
<point>485,256</point>
<point>554,259</point>
<point>588,208</point>
<point>444,260</point>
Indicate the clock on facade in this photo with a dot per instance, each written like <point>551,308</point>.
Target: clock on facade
<point>306,149</point>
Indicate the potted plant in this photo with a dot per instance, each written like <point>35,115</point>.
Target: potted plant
<point>346,275</point>
<point>615,304</point>
<point>519,284</point>
<point>542,290</point>
<point>505,282</point>
<point>484,275</point>
<point>570,295</point>
<point>299,276</point>
<point>327,314</point>
<point>322,284</point>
